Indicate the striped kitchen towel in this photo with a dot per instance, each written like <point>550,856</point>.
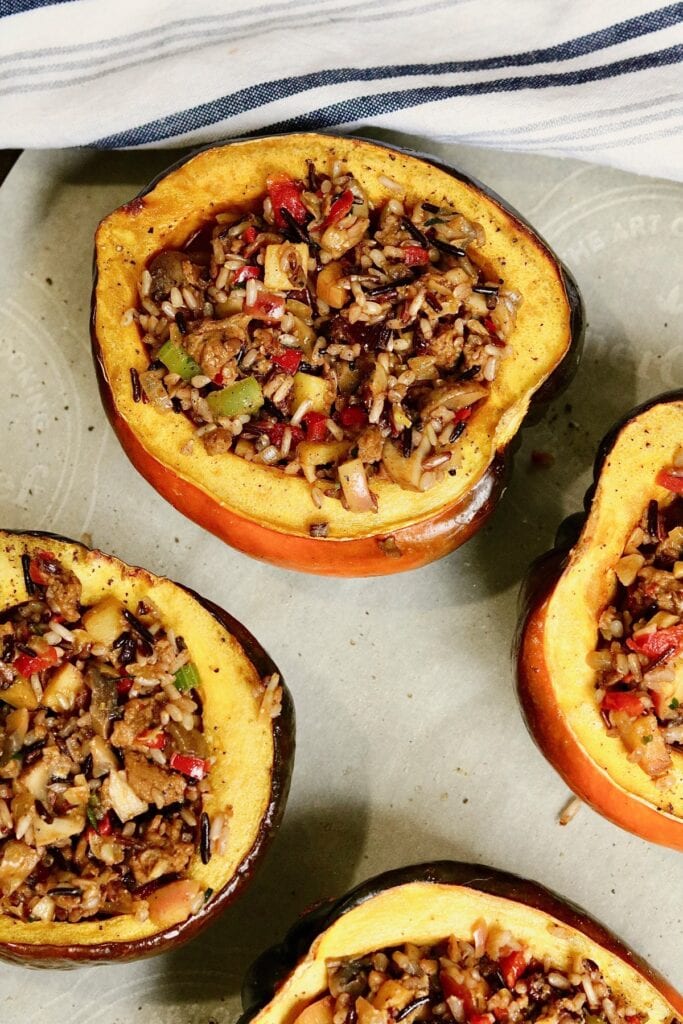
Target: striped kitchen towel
<point>596,79</point>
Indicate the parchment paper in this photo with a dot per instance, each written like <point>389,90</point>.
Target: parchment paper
<point>410,742</point>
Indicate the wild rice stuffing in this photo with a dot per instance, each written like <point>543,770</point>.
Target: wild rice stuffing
<point>103,763</point>
<point>327,338</point>
<point>486,979</point>
<point>638,661</point>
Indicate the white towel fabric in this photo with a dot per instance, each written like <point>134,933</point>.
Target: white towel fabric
<point>596,79</point>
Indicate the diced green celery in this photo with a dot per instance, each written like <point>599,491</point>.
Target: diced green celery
<point>245,397</point>
<point>177,360</point>
<point>187,678</point>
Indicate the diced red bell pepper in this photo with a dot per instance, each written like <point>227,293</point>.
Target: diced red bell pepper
<point>623,700</point>
<point>512,967</point>
<point>451,987</point>
<point>463,414</point>
<point>353,417</point>
<point>104,825</point>
<point>481,1018</point>
<point>415,256</point>
<point>267,307</point>
<point>245,273</point>
<point>42,568</point>
<point>490,326</point>
<point>276,433</point>
<point>154,739</point>
<point>288,359</point>
<point>218,379</point>
<point>670,481</point>
<point>662,641</point>
<point>124,685</point>
<point>27,664</point>
<point>315,424</point>
<point>249,234</point>
<point>189,764</point>
<point>339,209</point>
<point>285,194</point>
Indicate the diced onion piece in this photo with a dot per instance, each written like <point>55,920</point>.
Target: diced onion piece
<point>454,396</point>
<point>124,800</point>
<point>354,481</point>
<point>103,757</point>
<point>56,832</point>
<point>154,390</point>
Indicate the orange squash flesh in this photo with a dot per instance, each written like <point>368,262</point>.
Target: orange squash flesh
<point>249,778</point>
<point>257,508</point>
<point>425,904</point>
<point>567,594</point>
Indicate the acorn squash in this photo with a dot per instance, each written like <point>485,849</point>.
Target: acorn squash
<point>423,905</point>
<point>566,594</point>
<point>250,751</point>
<point>255,507</point>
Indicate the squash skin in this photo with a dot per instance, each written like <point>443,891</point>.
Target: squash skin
<point>52,953</point>
<point>360,551</point>
<point>547,724</point>
<point>274,967</point>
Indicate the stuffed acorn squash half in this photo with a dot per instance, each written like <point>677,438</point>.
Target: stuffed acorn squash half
<point>600,664</point>
<point>453,942</point>
<point>146,746</point>
<point>320,348</point>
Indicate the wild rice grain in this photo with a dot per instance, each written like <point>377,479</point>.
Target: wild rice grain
<point>205,838</point>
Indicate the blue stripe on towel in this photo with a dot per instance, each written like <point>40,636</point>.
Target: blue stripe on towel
<point>9,7</point>
<point>371,105</point>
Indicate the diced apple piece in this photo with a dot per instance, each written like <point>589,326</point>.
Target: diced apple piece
<point>123,799</point>
<point>367,1014</point>
<point>104,621</point>
<point>285,266</point>
<point>63,688</point>
<point>20,694</point>
<point>391,996</point>
<point>404,472</point>
<point>18,861</point>
<point>328,288</point>
<point>174,903</point>
<point>314,389</point>
<point>304,334</point>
